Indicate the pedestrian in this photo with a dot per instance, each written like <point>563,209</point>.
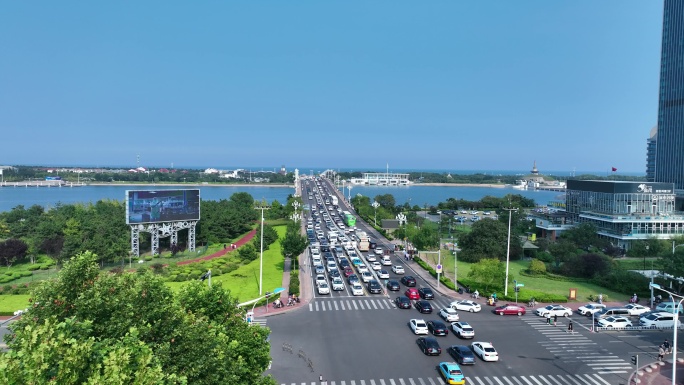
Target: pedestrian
<point>555,319</point>
<point>600,299</point>
<point>661,353</point>
<point>224,246</point>
<point>666,346</point>
<point>548,318</point>
<point>570,330</point>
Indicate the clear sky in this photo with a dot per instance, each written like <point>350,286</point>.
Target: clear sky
<point>342,84</point>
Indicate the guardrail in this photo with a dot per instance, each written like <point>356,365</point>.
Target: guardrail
<point>634,328</point>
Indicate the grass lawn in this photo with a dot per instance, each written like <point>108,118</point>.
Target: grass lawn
<point>12,303</point>
<point>584,289</point>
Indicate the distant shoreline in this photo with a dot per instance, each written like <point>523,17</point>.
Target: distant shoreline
<point>489,185</point>
<point>192,185</point>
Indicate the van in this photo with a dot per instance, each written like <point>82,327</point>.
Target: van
<point>668,307</point>
<point>611,311</point>
<point>659,320</point>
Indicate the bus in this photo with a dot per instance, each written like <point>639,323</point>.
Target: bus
<point>349,219</point>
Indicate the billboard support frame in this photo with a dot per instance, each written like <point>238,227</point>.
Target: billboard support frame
<point>162,230</point>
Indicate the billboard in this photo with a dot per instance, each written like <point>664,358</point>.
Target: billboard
<point>150,206</point>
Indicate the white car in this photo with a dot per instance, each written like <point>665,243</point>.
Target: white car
<point>485,350</point>
<point>386,261</point>
<point>361,268</point>
<point>463,329</point>
<point>383,274</point>
<point>371,257</point>
<point>320,278</point>
<point>466,305</point>
<point>554,310</point>
<point>636,309</point>
<point>366,276</point>
<point>418,326</point>
<point>398,269</point>
<point>376,266</point>
<point>378,250</point>
<point>591,308</point>
<point>357,289</point>
<point>615,322</point>
<point>449,314</point>
<point>337,284</point>
<point>323,288</point>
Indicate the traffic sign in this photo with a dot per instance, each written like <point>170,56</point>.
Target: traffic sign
<point>439,268</point>
<point>520,284</point>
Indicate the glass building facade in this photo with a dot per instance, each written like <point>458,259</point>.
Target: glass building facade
<point>669,159</point>
<point>651,145</point>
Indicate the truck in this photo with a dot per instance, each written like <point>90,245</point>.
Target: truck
<point>364,241</point>
<point>333,199</point>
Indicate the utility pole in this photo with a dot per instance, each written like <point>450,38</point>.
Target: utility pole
<point>508,248</point>
<point>261,259</point>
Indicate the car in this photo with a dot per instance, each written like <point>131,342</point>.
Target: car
<point>408,280</point>
<point>347,272</point>
<point>398,269</point>
<point>320,269</point>
<point>591,308</point>
<point>383,274</point>
<point>463,329</point>
<point>356,261</point>
<point>462,354</point>
<point>418,326</point>
<point>376,266</point>
<point>485,351</point>
<point>371,257</point>
<point>412,293</point>
<point>466,305</point>
<point>423,307</point>
<point>361,268</point>
<point>337,284</point>
<point>451,373</point>
<point>615,322</point>
<point>333,273</point>
<point>353,279</point>
<point>510,309</point>
<point>374,287</point>
<point>378,251</point>
<point>660,320</point>
<point>393,285</point>
<point>344,263</point>
<point>438,328</point>
<point>356,288</point>
<point>366,276</point>
<point>554,310</point>
<point>323,288</point>
<point>320,278</point>
<point>449,314</point>
<point>426,293</point>
<point>402,302</point>
<point>636,309</point>
<point>429,346</point>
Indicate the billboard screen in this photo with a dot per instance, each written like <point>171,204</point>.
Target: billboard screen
<point>149,206</point>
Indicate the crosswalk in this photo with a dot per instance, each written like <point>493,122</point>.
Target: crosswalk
<point>549,379</point>
<point>575,347</point>
<point>260,321</point>
<point>362,303</point>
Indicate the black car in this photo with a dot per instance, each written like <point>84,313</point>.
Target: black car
<point>393,285</point>
<point>426,293</point>
<point>344,262</point>
<point>403,302</point>
<point>374,287</point>
<point>408,281</point>
<point>462,354</point>
<point>429,346</point>
<point>424,307</point>
<point>333,273</point>
<point>353,278</point>
<point>437,328</point>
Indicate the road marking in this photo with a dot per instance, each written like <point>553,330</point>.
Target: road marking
<point>478,380</point>
<point>598,379</point>
<point>392,382</point>
<point>429,379</point>
<point>363,382</point>
<point>561,379</point>
<point>372,382</point>
<point>411,381</point>
<point>323,306</point>
<point>508,381</point>
<point>526,380</point>
<point>382,382</point>
<point>499,381</point>
<point>335,303</point>
<point>421,381</point>
<point>535,380</point>
<point>373,303</point>
<point>316,304</point>
<point>342,304</point>
<point>401,381</point>
<point>518,381</point>
<point>310,306</point>
<point>367,305</point>
<point>355,307</point>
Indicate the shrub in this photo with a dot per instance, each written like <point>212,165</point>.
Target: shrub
<point>45,267</point>
<point>149,258</point>
<point>294,283</point>
<point>536,267</point>
<point>544,256</point>
<point>594,297</point>
<point>181,277</point>
<point>216,272</point>
<point>34,267</point>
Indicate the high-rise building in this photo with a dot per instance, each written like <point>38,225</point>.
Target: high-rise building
<point>651,145</point>
<point>669,158</point>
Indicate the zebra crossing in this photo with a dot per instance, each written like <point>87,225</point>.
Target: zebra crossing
<point>362,303</point>
<point>575,347</point>
<point>549,379</point>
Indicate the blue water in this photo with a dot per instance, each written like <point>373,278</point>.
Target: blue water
<point>11,197</point>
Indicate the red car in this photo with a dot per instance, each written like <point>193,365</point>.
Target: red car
<point>348,271</point>
<point>412,293</point>
<point>509,309</point>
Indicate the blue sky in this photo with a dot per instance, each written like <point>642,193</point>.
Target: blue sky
<point>343,84</point>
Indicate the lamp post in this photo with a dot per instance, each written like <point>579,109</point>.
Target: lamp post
<point>375,205</point>
<point>508,248</point>
<point>261,258</point>
<point>676,324</point>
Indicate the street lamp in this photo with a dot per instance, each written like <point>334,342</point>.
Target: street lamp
<point>261,258</point>
<point>676,326</point>
<point>508,248</point>
<point>375,205</point>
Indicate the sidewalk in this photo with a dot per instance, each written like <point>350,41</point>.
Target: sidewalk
<point>657,374</point>
<point>240,242</point>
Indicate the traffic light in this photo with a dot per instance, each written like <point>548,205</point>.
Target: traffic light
<point>267,294</point>
<point>517,289</point>
<point>635,360</point>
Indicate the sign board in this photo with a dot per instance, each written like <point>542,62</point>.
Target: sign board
<point>520,285</point>
<point>439,268</point>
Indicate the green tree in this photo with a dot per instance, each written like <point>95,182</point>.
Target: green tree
<point>294,242</point>
<point>536,267</point>
<point>248,252</point>
<point>490,272</point>
<point>488,239</point>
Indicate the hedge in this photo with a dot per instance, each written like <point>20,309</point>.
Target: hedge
<point>294,283</point>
